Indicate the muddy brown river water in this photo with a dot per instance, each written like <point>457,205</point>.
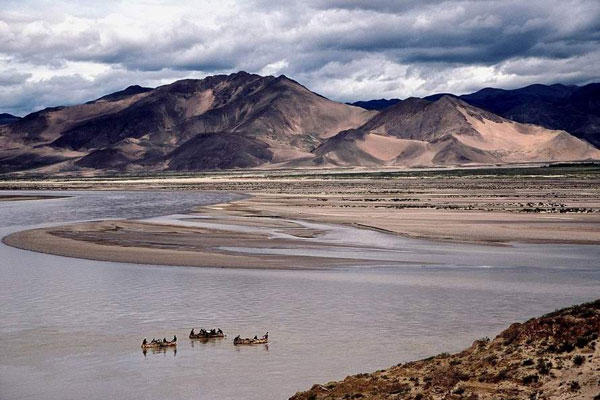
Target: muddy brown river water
<point>71,328</point>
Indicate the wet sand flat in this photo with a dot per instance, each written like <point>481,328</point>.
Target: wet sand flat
<point>435,224</point>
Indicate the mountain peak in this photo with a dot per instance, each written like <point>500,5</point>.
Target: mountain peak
<point>377,104</point>
<point>121,94</point>
<point>6,118</point>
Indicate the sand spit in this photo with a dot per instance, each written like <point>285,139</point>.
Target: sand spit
<point>556,356</point>
<point>163,243</point>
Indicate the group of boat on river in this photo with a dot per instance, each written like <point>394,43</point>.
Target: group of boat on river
<point>214,333</point>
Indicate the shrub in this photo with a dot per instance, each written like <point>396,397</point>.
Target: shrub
<point>574,386</point>
<point>502,374</point>
<point>529,379</point>
<point>565,347</point>
<point>527,362</point>
<point>459,390</point>
<point>582,341</point>
<point>578,360</point>
<point>543,366</point>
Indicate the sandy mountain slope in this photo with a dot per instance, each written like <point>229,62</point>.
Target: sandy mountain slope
<point>570,108</point>
<point>446,132</point>
<point>575,109</point>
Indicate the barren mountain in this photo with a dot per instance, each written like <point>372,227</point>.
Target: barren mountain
<point>575,109</point>
<point>570,108</point>
<point>245,120</point>
<point>154,129</point>
<point>449,131</point>
<point>377,104</point>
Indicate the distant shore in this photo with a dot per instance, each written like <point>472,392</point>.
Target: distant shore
<point>27,197</point>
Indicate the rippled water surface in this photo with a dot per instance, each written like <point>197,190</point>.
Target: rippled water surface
<point>71,328</point>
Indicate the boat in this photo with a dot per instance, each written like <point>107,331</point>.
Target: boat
<point>158,344</point>
<point>263,340</point>
<point>204,334</point>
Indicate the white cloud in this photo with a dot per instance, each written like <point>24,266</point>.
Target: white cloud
<point>344,49</point>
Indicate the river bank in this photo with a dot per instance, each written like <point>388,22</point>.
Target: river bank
<point>556,356</point>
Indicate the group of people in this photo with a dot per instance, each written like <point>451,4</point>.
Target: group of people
<point>203,331</point>
<point>159,341</point>
<point>264,337</point>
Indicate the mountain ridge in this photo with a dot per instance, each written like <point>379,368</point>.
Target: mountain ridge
<point>575,109</point>
<point>244,120</point>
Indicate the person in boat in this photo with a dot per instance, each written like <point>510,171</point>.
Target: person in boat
<point>255,337</point>
<point>174,338</point>
<point>219,331</point>
<point>164,340</point>
<point>192,332</point>
<point>213,331</point>
<point>145,342</point>
<point>266,336</point>
<point>236,338</point>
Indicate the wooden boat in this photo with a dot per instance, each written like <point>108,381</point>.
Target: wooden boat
<point>158,345</point>
<point>239,341</point>
<point>202,334</point>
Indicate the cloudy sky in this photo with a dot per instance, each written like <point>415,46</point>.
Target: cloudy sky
<point>64,52</point>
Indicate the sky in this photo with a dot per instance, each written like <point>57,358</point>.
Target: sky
<point>64,52</point>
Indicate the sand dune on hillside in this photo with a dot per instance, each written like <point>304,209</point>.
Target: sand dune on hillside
<point>449,132</point>
<point>515,142</point>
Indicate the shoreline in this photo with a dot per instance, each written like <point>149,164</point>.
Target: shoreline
<point>15,197</point>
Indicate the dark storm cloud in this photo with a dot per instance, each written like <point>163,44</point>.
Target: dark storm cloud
<point>346,49</point>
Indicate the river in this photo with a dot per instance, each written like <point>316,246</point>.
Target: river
<point>71,328</point>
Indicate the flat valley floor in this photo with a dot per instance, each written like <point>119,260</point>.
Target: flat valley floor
<point>501,206</point>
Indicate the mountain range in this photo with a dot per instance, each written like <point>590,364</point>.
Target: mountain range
<point>575,109</point>
<point>246,120</point>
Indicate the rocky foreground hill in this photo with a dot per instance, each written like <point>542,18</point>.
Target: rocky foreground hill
<point>556,356</point>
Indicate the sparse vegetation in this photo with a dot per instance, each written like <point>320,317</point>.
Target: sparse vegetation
<point>523,367</point>
<point>574,386</point>
<point>529,379</point>
<point>578,360</point>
